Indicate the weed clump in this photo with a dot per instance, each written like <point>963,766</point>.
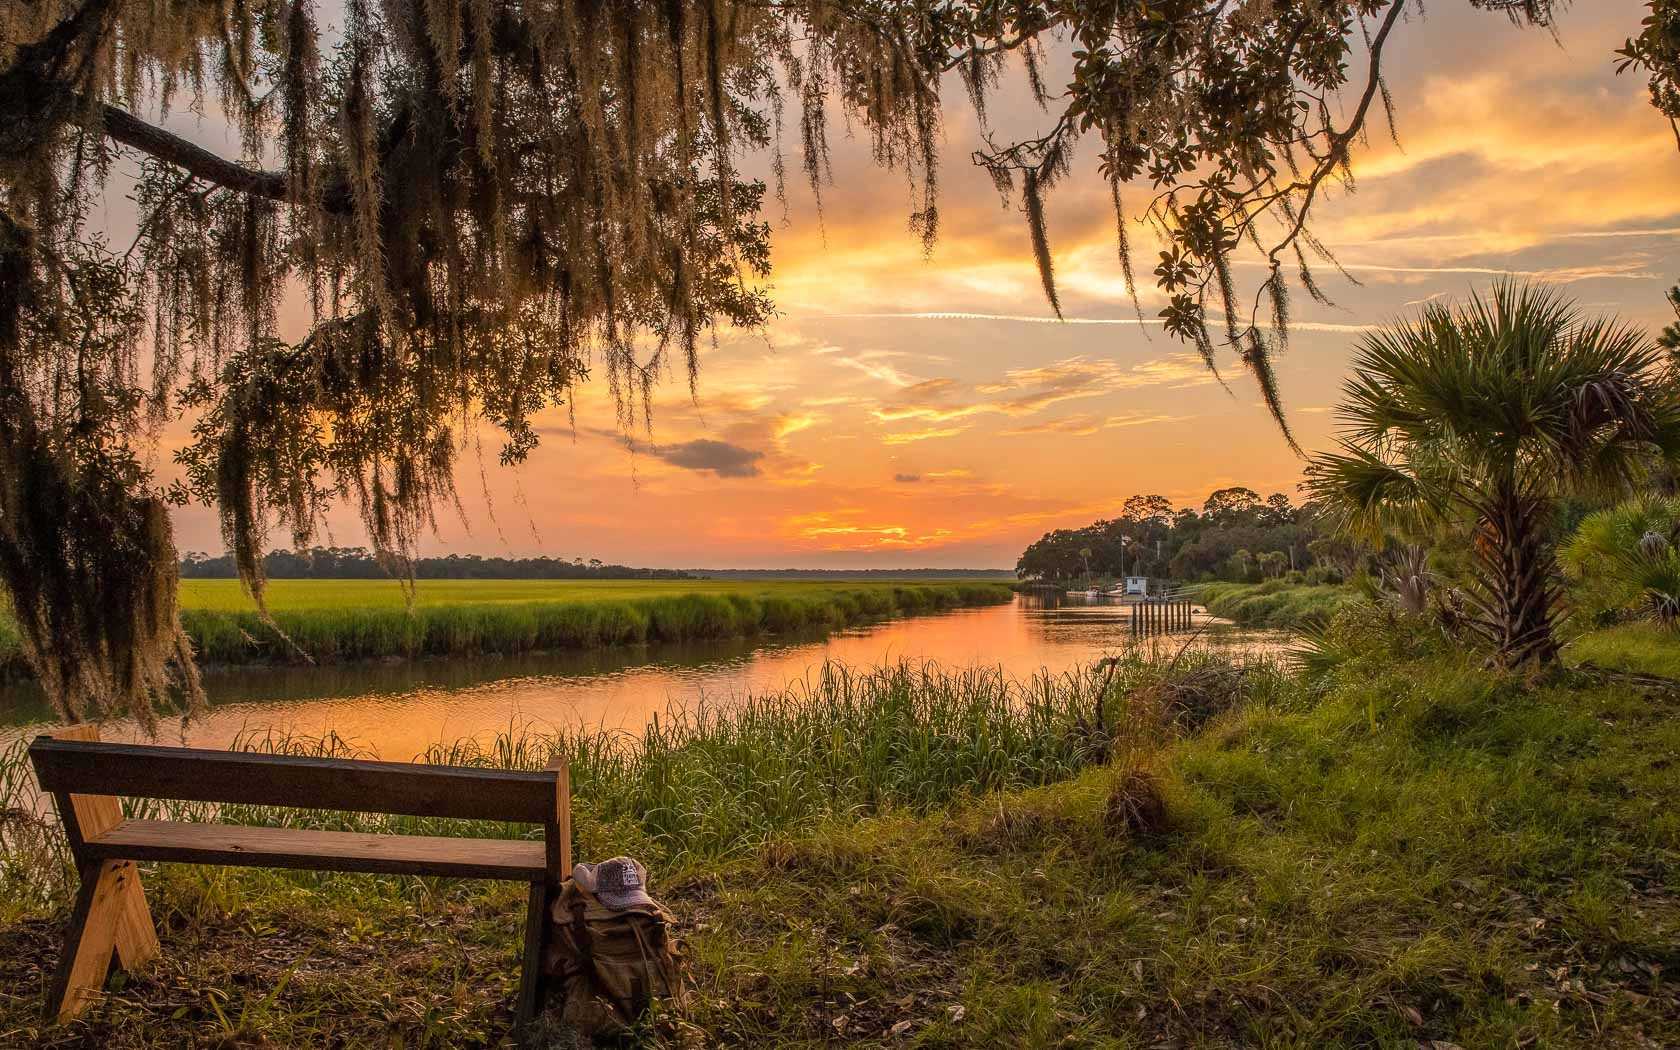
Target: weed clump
<point>1137,806</point>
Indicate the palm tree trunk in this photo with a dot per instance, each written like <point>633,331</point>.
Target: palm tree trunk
<point>1515,566</point>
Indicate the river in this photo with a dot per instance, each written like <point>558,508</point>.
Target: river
<point>396,710</point>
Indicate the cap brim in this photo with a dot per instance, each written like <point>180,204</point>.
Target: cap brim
<point>628,899</point>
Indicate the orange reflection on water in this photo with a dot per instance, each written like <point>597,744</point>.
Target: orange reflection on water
<point>398,710</point>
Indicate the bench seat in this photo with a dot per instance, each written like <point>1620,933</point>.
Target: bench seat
<point>516,860</point>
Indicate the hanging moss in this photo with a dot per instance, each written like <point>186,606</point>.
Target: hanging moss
<point>86,552</point>
<point>484,202</point>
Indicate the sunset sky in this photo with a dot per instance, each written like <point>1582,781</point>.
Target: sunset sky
<point>911,411</point>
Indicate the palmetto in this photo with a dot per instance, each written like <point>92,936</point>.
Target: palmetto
<point>1628,557</point>
<point>1485,415</point>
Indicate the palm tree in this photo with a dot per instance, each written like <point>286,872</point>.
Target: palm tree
<point>1484,416</point>
<point>1085,552</point>
<point>1241,562</point>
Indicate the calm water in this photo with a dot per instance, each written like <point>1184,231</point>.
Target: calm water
<point>398,709</point>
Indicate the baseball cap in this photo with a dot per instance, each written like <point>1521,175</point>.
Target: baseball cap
<point>618,883</point>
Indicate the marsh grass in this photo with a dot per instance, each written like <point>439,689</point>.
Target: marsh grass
<point>348,620</point>
<point>338,621</point>
<point>1275,604</point>
<point>707,780</point>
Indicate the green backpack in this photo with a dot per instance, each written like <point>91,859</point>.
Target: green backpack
<point>606,967</point>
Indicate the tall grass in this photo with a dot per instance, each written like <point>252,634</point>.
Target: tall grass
<point>342,629</point>
<point>1274,604</point>
<point>707,781</point>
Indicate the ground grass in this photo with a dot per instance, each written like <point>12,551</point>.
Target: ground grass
<point>1399,850</point>
<point>331,621</point>
<point>1274,604</point>
<point>1421,855</point>
<point>1645,648</point>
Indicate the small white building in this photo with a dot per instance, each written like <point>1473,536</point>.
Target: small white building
<point>1137,586</point>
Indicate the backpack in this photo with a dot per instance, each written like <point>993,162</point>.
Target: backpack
<point>607,967</point>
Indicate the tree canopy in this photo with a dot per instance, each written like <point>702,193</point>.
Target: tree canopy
<point>1236,537</point>
<point>482,201</point>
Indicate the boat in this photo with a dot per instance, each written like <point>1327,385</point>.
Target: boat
<point>1094,592</point>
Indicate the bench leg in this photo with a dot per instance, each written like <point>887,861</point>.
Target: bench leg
<point>530,967</point>
<point>137,940</point>
<point>110,916</point>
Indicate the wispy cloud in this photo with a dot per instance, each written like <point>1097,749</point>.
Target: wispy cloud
<point>876,364</point>
<point>932,476</point>
<point>794,422</point>
<point>1022,392</point>
<point>910,436</point>
<point>1626,270</point>
<point>1085,424</point>
<point>855,530</point>
<point>1481,238</point>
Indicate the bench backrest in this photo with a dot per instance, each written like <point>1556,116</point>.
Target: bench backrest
<point>91,767</point>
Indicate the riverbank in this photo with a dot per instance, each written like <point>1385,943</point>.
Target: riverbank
<point>1401,849</point>
<point>341,621</point>
<point>1274,604</point>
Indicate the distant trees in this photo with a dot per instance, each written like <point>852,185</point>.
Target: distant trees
<point>1236,536</point>
<point>1232,501</point>
<point>359,563</point>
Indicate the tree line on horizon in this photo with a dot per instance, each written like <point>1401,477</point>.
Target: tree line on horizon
<point>359,563</point>
<point>1236,536</point>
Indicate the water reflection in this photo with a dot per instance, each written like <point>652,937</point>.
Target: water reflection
<point>399,708</point>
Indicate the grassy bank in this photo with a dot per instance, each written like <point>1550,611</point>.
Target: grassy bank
<point>1644,648</point>
<point>1425,856</point>
<point>1274,604</point>
<point>1403,850</point>
<point>343,620</point>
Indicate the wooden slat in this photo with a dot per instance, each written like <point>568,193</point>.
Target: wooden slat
<point>564,828</point>
<point>558,829</point>
<point>192,774</point>
<point>511,859</point>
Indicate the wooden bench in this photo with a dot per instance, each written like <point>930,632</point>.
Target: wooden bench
<point>87,778</point>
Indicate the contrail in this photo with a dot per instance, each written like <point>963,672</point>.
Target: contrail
<point>952,315</point>
<point>1563,274</point>
<point>1568,235</point>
